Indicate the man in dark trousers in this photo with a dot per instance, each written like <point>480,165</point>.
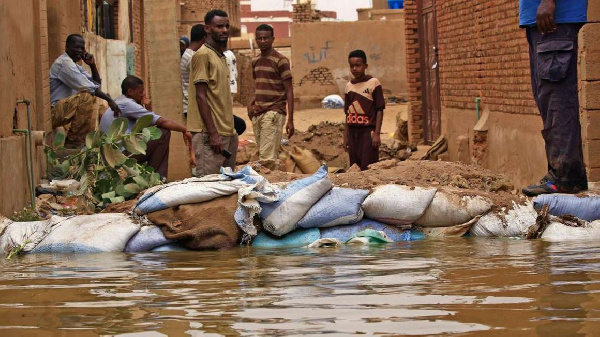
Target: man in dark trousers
<point>552,27</point>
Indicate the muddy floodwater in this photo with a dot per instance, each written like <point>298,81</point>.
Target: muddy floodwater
<point>466,287</point>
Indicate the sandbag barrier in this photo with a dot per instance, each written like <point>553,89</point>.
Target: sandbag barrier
<point>308,212</point>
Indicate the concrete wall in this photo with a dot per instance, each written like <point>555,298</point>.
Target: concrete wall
<point>164,76</point>
<point>320,63</point>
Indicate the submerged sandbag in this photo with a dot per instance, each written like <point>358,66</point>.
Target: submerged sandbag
<point>557,231</point>
<point>171,247</point>
<point>281,217</point>
<point>148,238</point>
<point>369,236</point>
<point>585,208</point>
<point>398,204</point>
<point>451,231</point>
<point>295,239</point>
<point>345,233</point>
<point>24,234</point>
<point>201,226</point>
<point>89,234</point>
<point>340,206</point>
<point>452,207</point>
<point>188,191</point>
<point>513,222</point>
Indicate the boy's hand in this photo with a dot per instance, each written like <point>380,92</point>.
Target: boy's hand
<point>375,139</point>
<point>346,140</point>
<point>290,128</point>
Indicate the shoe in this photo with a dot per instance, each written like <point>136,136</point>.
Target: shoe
<point>534,190</point>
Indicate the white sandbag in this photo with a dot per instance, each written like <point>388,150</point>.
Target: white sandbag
<point>106,232</point>
<point>332,102</point>
<point>557,232</point>
<point>451,231</point>
<point>188,191</point>
<point>340,206</point>
<point>148,238</point>
<point>281,217</point>
<point>326,242</point>
<point>513,222</point>
<point>585,208</point>
<point>450,208</point>
<point>398,204</point>
<point>25,234</point>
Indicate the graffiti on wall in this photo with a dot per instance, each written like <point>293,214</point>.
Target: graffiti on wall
<point>316,55</point>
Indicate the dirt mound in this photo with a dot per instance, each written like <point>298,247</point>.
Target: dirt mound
<point>472,180</point>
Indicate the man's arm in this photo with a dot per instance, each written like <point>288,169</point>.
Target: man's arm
<point>289,95</point>
<point>545,17</point>
<point>91,61</point>
<point>214,138</point>
<point>376,136</point>
<point>109,100</point>
<point>170,124</point>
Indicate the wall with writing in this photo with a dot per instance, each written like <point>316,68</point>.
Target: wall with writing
<point>320,57</point>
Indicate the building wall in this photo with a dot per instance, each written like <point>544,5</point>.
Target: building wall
<point>320,64</point>
<point>413,72</point>
<point>193,11</point>
<point>483,53</point>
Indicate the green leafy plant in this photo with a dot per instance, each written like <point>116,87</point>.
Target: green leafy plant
<point>26,214</point>
<point>105,173</point>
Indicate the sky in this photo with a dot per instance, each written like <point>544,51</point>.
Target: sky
<point>346,9</point>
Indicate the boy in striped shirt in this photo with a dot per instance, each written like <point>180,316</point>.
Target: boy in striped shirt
<point>274,90</point>
<point>363,105</point>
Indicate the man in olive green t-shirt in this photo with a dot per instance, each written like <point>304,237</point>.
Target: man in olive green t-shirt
<point>210,110</point>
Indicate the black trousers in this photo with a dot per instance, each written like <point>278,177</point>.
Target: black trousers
<point>553,63</point>
<point>157,154</point>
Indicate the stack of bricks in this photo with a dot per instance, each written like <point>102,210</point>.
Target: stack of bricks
<point>589,76</point>
<point>413,72</point>
<point>319,76</point>
<point>303,12</point>
<point>245,92</point>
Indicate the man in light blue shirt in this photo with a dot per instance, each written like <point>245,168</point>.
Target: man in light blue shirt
<point>73,91</point>
<point>133,104</point>
<point>552,27</point>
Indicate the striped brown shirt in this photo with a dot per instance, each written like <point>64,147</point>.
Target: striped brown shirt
<point>269,72</point>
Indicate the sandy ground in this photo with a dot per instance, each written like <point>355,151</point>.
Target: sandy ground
<point>303,119</point>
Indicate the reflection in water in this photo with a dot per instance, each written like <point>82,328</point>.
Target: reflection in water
<point>495,287</point>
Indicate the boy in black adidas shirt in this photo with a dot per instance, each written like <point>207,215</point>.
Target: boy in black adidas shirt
<point>364,104</point>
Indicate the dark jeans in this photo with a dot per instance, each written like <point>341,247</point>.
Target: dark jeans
<point>553,62</point>
<point>157,154</point>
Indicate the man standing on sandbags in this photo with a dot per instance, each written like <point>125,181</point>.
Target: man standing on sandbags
<point>210,110</point>
<point>274,90</point>
<point>552,27</point>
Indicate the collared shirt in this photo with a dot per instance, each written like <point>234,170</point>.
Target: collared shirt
<point>209,66</point>
<point>130,109</point>
<point>233,73</point>
<point>269,73</point>
<point>566,11</point>
<point>67,78</point>
<point>186,58</point>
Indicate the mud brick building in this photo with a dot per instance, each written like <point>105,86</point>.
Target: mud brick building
<point>191,12</point>
<point>468,79</point>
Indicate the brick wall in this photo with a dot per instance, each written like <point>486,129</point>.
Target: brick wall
<point>483,53</point>
<point>193,11</point>
<point>303,12</point>
<point>413,72</point>
<point>138,37</point>
<point>319,76</point>
<point>245,79</point>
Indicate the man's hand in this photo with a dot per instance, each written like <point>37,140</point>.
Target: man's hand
<point>250,109</point>
<point>187,139</point>
<point>89,59</point>
<point>289,128</point>
<point>147,103</point>
<point>115,108</point>
<point>375,140</point>
<point>214,139</point>
<point>545,17</point>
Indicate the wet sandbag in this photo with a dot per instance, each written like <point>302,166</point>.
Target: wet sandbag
<point>557,231</point>
<point>452,207</point>
<point>188,191</point>
<point>148,238</point>
<point>201,226</point>
<point>340,206</point>
<point>24,234</point>
<point>347,232</point>
<point>108,232</point>
<point>511,222</point>
<point>398,204</point>
<point>295,239</point>
<point>171,247</point>
<point>281,217</point>
<point>585,208</point>
<point>451,231</point>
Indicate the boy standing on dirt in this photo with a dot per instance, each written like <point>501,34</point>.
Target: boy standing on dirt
<point>363,105</point>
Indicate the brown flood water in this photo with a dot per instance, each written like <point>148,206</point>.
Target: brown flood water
<point>466,287</point>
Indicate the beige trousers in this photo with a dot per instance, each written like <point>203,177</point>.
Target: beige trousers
<point>268,130</point>
<point>78,110</point>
